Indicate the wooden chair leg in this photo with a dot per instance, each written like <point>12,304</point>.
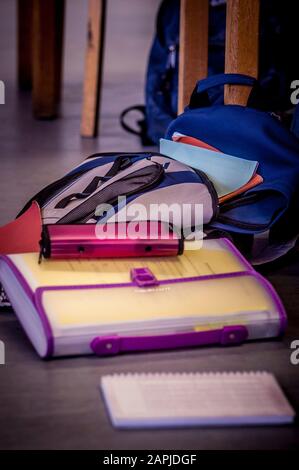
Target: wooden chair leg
<point>48,18</point>
<point>241,50</point>
<point>24,43</point>
<point>93,68</point>
<point>193,54</point>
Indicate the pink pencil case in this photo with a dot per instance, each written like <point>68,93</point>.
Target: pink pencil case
<point>119,240</point>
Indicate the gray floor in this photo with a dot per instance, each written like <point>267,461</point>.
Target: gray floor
<point>57,404</point>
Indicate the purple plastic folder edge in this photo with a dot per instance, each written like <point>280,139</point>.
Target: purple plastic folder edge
<point>114,344</point>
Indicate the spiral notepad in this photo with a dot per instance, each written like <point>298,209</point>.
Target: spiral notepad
<point>207,399</point>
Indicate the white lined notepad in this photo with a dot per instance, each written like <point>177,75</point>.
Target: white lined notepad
<point>207,399</point>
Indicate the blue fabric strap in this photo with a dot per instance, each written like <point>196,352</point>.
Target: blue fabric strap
<point>200,96</point>
<point>224,79</point>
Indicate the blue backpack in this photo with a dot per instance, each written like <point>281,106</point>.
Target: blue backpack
<point>161,91</point>
<point>252,134</point>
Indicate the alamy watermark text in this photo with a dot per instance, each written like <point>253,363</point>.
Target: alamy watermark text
<point>2,92</point>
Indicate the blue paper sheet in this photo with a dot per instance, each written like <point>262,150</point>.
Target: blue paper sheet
<point>226,172</point>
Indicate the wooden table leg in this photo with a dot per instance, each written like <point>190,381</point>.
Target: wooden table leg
<point>48,17</point>
<point>193,54</point>
<point>93,67</point>
<point>24,43</point>
<point>241,51</point>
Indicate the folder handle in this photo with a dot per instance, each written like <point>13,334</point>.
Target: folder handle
<point>115,344</point>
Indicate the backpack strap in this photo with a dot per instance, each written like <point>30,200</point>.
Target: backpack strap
<point>200,97</point>
<point>224,79</point>
<point>141,129</point>
<point>121,163</point>
<point>148,175</point>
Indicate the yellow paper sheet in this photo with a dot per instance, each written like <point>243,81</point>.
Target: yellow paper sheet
<point>218,298</point>
<point>213,258</point>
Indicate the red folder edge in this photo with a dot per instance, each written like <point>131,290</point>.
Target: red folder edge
<point>23,234</point>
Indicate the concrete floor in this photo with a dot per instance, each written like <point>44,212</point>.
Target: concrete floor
<point>56,404</point>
